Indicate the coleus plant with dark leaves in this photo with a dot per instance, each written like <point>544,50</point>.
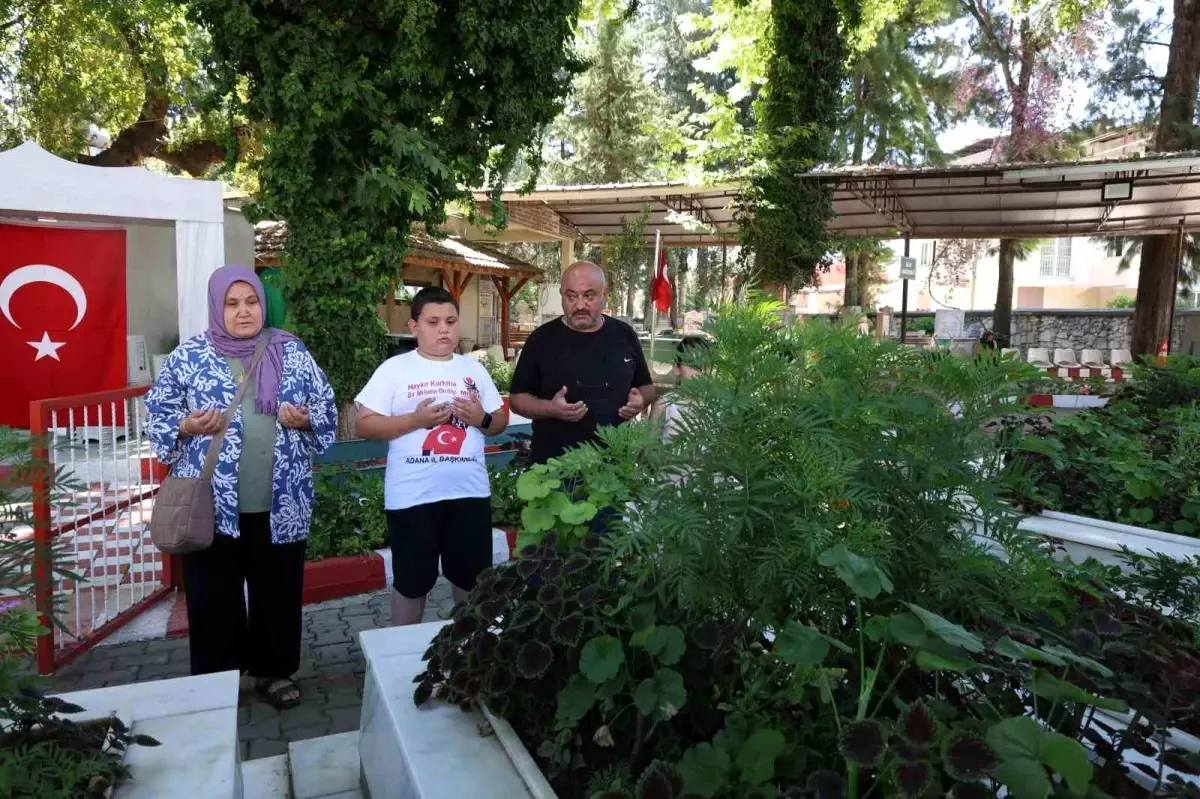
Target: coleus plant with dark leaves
<point>589,667</point>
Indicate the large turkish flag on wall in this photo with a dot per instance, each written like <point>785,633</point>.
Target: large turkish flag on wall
<point>62,315</point>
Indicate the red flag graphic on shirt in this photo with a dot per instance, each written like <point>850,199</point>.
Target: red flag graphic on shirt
<point>62,315</point>
<point>660,288</point>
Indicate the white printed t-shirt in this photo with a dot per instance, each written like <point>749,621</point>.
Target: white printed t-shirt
<point>439,463</point>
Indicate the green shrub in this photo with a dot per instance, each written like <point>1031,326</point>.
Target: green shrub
<point>348,513</point>
<point>506,506</point>
<point>501,372</point>
<point>1156,386</point>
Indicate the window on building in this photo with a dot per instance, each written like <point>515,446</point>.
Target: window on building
<point>1056,258</point>
<point>927,252</point>
<point>1114,246</point>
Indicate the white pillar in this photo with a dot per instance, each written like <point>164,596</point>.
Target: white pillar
<point>199,251</point>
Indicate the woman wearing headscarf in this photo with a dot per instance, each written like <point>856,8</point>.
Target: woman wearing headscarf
<point>262,486</point>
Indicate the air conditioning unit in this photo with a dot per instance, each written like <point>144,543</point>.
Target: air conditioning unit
<point>138,358</point>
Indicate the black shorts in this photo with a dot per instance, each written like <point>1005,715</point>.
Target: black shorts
<point>459,531</point>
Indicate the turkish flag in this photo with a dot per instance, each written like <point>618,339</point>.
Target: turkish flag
<point>62,315</point>
<point>660,288</point>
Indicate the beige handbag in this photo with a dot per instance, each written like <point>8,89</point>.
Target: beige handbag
<point>184,518</point>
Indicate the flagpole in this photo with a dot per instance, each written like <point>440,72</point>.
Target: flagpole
<point>653,304</point>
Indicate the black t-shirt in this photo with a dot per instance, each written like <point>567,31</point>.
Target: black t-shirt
<point>598,368</point>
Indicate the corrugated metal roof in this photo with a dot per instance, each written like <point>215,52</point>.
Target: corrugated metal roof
<point>270,240</point>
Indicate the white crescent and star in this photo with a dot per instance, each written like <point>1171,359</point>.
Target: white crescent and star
<point>442,440</point>
<point>43,273</point>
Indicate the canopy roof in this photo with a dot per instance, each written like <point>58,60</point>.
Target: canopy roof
<point>1152,194</point>
<point>270,239</point>
<point>964,201</point>
<point>687,215</point>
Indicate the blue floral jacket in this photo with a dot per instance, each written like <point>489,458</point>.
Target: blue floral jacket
<point>196,377</point>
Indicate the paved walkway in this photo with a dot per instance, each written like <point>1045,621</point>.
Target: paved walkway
<point>330,675</point>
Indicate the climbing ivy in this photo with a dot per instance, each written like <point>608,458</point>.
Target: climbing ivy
<point>783,221</point>
<point>379,113</point>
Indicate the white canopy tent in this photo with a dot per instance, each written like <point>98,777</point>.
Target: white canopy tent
<point>42,188</point>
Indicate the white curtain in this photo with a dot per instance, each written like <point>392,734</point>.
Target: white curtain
<point>199,251</point>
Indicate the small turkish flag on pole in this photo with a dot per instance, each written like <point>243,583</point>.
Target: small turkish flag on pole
<point>62,315</point>
<point>660,289</point>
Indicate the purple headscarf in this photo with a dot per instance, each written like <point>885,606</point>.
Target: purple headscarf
<point>270,369</point>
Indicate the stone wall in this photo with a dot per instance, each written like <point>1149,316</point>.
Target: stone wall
<point>1101,329</point>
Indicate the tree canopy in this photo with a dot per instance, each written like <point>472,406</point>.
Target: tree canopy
<point>71,70</point>
<point>378,114</point>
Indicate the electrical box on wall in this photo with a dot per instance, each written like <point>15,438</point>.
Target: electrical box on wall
<point>138,360</point>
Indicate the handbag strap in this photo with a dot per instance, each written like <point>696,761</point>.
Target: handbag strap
<point>214,447</point>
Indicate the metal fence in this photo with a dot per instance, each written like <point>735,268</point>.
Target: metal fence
<point>96,567</point>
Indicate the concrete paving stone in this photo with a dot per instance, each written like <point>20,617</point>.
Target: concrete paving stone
<point>131,648</point>
<point>342,672</point>
<point>361,609</point>
<point>323,617</point>
<point>103,679</point>
<point>168,644</point>
<point>311,687</point>
<point>265,747</point>
<point>330,634</point>
<point>268,728</point>
<point>243,715</point>
<point>344,696</point>
<point>357,624</point>
<point>308,668</point>
<point>308,712</point>
<point>317,730</point>
<point>142,659</point>
<point>259,712</point>
<point>332,654</point>
<point>164,671</point>
<point>344,719</point>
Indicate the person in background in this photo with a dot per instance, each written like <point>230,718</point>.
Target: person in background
<point>435,408</point>
<point>692,358</point>
<point>581,371</point>
<point>262,486</point>
<point>987,344</point>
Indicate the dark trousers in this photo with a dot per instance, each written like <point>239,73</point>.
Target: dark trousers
<point>266,642</point>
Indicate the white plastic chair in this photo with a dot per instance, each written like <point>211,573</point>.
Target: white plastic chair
<point>1121,358</point>
<point>1065,359</point>
<point>1094,360</point>
<point>1039,357</point>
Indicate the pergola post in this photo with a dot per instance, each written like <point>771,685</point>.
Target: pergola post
<point>456,283</point>
<point>506,294</point>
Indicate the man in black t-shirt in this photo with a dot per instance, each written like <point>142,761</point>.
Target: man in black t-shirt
<point>581,370</point>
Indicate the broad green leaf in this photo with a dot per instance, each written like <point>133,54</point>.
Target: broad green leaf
<point>1047,686</point>
<point>907,629</point>
<point>535,484</point>
<point>948,631</point>
<point>756,760</point>
<point>527,537</point>
<point>537,519</point>
<point>1069,759</point>
<point>705,770</point>
<point>862,575</point>
<point>801,645</point>
<point>642,616</point>
<point>578,512</point>
<point>932,661</point>
<point>613,686</point>
<point>574,701</point>
<point>601,658</point>
<point>1015,738</point>
<point>1024,777</point>
<point>661,694</point>
<point>666,643</point>
<point>1139,489</point>
<point>1141,515</point>
<point>1015,650</point>
<point>876,628</point>
<point>1067,654</point>
<point>641,637</point>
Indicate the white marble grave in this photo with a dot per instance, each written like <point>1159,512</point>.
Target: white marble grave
<point>194,718</point>
<point>435,751</point>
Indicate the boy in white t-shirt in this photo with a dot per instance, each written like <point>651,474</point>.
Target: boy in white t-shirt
<point>435,408</point>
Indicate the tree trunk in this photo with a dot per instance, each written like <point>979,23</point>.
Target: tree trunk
<point>648,304</point>
<point>1160,254</point>
<point>1002,317</point>
<point>850,289</point>
<point>703,259</point>
<point>630,297</point>
<point>1155,295</point>
<point>866,280</point>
